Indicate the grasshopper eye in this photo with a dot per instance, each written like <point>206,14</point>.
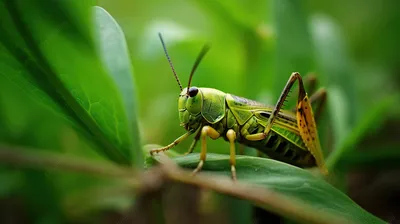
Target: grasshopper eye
<point>193,91</point>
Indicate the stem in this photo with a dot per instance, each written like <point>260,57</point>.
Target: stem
<point>40,159</point>
<point>153,180</point>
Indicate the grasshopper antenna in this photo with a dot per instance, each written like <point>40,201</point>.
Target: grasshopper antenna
<point>170,62</point>
<point>203,52</point>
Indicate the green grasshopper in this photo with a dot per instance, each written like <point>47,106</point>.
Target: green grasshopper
<point>288,136</point>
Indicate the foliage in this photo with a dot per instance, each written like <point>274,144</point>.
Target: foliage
<point>74,91</point>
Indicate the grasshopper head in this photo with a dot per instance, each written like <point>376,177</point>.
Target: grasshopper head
<point>191,98</point>
<point>189,106</point>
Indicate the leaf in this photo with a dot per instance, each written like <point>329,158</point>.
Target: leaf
<point>288,180</point>
<point>115,56</point>
<point>60,62</point>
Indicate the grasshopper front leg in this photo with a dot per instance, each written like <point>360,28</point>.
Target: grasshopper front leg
<point>174,143</point>
<point>205,131</point>
<point>231,136</point>
<point>212,133</point>
<point>194,143</point>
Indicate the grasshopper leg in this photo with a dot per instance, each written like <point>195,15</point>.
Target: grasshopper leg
<point>318,97</point>
<point>192,146</point>
<point>174,143</point>
<point>194,143</point>
<point>302,93</point>
<point>231,136</point>
<point>285,92</point>
<point>205,131</point>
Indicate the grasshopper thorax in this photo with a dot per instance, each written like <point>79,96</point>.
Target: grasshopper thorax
<point>189,106</point>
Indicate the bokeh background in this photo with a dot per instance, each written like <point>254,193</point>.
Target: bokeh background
<point>350,46</point>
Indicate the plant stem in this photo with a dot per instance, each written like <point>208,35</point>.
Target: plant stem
<point>41,159</point>
<point>153,179</point>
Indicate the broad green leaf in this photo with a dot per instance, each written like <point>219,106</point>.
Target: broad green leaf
<point>288,180</point>
<point>61,61</point>
<point>115,56</point>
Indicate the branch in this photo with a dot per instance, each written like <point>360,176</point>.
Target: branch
<point>154,179</point>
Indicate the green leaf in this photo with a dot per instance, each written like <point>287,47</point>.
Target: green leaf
<point>60,64</point>
<point>288,180</point>
<point>115,56</point>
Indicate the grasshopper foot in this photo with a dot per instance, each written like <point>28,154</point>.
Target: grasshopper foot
<point>156,151</point>
<point>233,171</point>
<point>201,163</point>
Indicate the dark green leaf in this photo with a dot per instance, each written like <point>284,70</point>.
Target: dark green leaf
<point>67,68</point>
<point>288,180</point>
<point>115,56</point>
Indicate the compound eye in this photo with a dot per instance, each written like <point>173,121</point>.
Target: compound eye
<point>193,91</point>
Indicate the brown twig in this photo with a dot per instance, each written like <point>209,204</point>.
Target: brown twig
<point>154,178</point>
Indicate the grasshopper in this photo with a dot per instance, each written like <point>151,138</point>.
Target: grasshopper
<point>287,136</point>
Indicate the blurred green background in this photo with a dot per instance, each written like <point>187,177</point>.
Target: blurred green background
<point>351,46</point>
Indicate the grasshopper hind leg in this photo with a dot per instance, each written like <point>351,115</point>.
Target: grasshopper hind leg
<point>318,98</point>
